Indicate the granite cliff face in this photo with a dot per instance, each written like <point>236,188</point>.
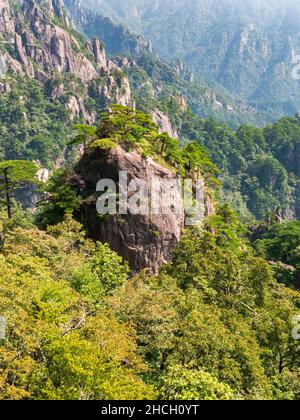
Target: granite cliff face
<point>38,41</point>
<point>145,241</point>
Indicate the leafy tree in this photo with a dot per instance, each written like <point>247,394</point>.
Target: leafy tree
<point>59,199</point>
<point>213,325</point>
<point>29,121</point>
<point>15,174</point>
<point>84,134</point>
<point>280,244</point>
<point>60,344</point>
<point>181,383</point>
<point>125,123</point>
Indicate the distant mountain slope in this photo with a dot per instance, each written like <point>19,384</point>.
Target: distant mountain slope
<point>53,77</point>
<point>260,170</point>
<point>154,80</point>
<point>245,46</point>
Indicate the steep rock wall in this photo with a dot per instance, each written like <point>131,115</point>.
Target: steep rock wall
<point>145,241</point>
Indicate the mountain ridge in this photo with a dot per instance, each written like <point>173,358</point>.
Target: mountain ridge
<point>245,47</point>
<point>157,75</point>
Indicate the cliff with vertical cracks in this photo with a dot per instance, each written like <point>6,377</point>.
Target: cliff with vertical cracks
<point>147,240</point>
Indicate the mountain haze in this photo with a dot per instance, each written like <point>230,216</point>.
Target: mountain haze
<point>246,47</point>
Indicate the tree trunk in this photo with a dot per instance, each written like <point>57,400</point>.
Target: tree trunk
<point>7,193</point>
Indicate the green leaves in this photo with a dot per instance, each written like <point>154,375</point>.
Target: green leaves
<point>84,134</point>
<point>213,325</point>
<point>60,199</point>
<point>257,164</point>
<point>30,121</point>
<point>18,172</point>
<point>281,244</point>
<point>109,268</point>
<point>13,175</point>
<point>129,127</point>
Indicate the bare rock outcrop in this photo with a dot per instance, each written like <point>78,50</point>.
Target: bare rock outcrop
<point>39,42</point>
<point>164,123</point>
<point>144,240</point>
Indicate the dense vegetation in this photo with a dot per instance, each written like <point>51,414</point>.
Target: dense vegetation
<point>216,323</point>
<point>131,130</point>
<point>280,243</point>
<point>259,166</point>
<point>213,325</point>
<point>29,121</point>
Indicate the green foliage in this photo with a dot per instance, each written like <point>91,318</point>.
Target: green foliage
<point>281,244</point>
<point>131,128</point>
<point>20,219</point>
<point>108,268</point>
<point>257,165</point>
<point>14,174</point>
<point>125,123</point>
<point>181,383</point>
<point>60,344</point>
<point>18,172</point>
<point>84,134</point>
<point>60,199</point>
<point>213,325</point>
<point>104,144</point>
<point>29,121</point>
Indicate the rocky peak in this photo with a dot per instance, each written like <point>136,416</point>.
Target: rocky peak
<point>145,241</point>
<point>50,7</point>
<point>164,123</point>
<point>182,102</point>
<point>38,42</point>
<point>99,53</point>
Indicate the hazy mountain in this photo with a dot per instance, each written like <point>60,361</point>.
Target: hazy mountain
<point>153,78</point>
<point>247,47</point>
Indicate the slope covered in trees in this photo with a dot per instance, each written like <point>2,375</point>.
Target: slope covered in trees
<point>259,166</point>
<point>153,79</point>
<point>214,324</point>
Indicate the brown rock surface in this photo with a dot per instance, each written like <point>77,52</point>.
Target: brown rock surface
<point>145,241</point>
